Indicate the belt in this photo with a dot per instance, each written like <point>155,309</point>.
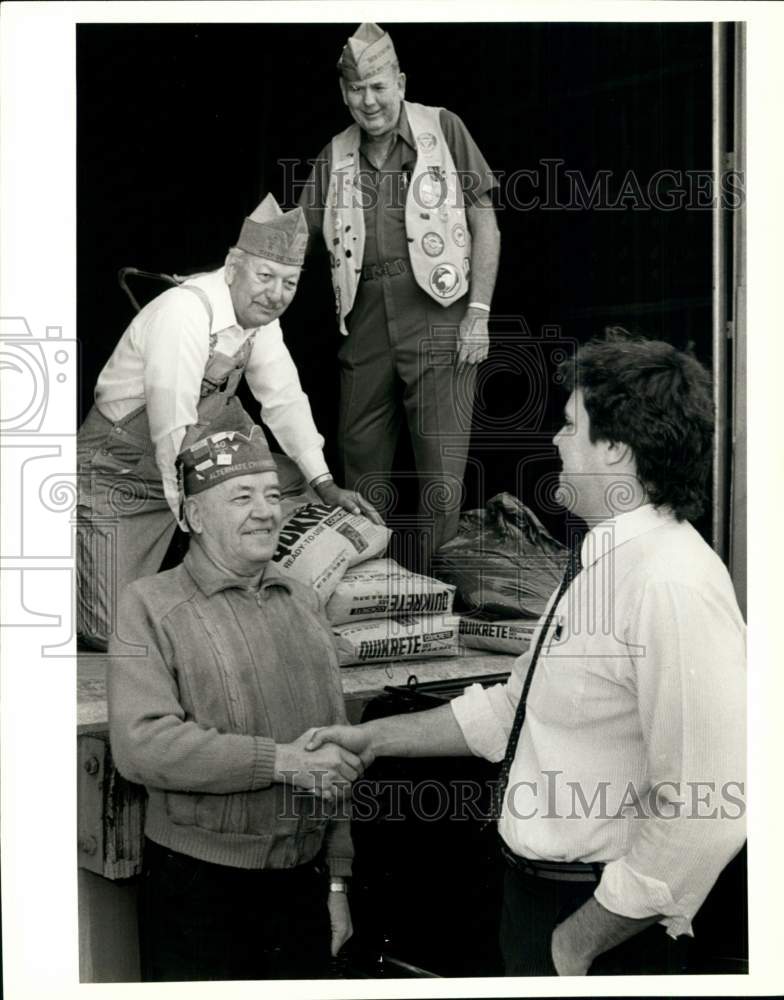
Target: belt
<point>560,871</point>
<point>370,272</point>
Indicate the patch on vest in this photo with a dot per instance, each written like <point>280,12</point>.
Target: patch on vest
<point>445,280</point>
<point>459,235</point>
<point>432,244</point>
<point>426,141</point>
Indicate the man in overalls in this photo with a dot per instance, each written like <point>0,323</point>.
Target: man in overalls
<point>177,367</point>
<point>402,200</point>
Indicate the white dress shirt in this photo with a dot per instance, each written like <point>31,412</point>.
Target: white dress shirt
<point>641,681</point>
<point>160,361</point>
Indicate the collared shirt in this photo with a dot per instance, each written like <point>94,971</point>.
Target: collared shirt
<point>211,579</point>
<point>639,691</point>
<point>160,361</point>
<point>383,191</point>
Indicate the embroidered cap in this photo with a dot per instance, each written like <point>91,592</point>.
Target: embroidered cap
<point>271,233</point>
<point>368,51</point>
<point>220,455</point>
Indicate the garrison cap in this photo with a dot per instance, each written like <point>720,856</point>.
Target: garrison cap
<point>221,455</point>
<point>271,233</point>
<point>368,51</point>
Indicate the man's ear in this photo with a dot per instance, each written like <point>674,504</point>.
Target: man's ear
<point>618,452</point>
<point>193,515</point>
<point>230,267</point>
<point>343,90</point>
<point>401,84</point>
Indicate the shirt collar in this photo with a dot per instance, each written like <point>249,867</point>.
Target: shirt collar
<point>217,291</point>
<point>615,531</point>
<point>402,129</point>
<point>210,579</point>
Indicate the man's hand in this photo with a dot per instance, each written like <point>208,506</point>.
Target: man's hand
<point>563,948</point>
<point>354,739</point>
<point>473,337</point>
<point>589,932</point>
<point>332,495</point>
<point>327,772</point>
<point>339,920</point>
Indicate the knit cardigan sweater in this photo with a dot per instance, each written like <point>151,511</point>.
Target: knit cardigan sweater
<point>207,676</point>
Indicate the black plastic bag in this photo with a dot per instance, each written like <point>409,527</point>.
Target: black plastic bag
<point>503,561</point>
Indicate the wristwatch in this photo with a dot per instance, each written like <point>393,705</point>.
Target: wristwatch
<point>337,885</point>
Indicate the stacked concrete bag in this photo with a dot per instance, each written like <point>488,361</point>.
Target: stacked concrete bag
<point>497,636</point>
<point>381,611</point>
<point>319,543</point>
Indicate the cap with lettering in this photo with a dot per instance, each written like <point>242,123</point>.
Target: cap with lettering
<point>221,455</point>
<point>367,52</point>
<point>271,233</point>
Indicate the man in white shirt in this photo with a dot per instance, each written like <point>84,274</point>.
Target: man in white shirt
<point>622,782</point>
<point>176,369</point>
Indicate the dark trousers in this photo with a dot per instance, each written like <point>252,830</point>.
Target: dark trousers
<point>532,908</point>
<point>200,921</point>
<point>398,363</point>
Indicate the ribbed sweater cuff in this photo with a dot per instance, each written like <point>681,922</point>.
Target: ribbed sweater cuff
<point>339,867</point>
<point>263,763</point>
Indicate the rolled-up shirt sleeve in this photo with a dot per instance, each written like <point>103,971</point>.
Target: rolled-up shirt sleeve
<point>690,682</point>
<point>285,409</point>
<point>485,715</point>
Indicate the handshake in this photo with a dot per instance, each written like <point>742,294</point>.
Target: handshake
<point>325,761</point>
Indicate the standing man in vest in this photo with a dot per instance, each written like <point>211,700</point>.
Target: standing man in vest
<point>178,366</point>
<point>402,199</point>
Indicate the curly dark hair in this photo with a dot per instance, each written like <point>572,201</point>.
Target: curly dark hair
<point>656,399</point>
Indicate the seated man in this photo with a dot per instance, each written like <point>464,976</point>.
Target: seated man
<point>621,731</point>
<point>177,366</point>
<point>212,719</point>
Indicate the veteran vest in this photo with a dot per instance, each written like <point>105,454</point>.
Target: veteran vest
<point>439,243</point>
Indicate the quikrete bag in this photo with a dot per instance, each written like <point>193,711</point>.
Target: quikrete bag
<point>382,588</point>
<point>407,637</point>
<point>317,544</point>
<point>499,637</point>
